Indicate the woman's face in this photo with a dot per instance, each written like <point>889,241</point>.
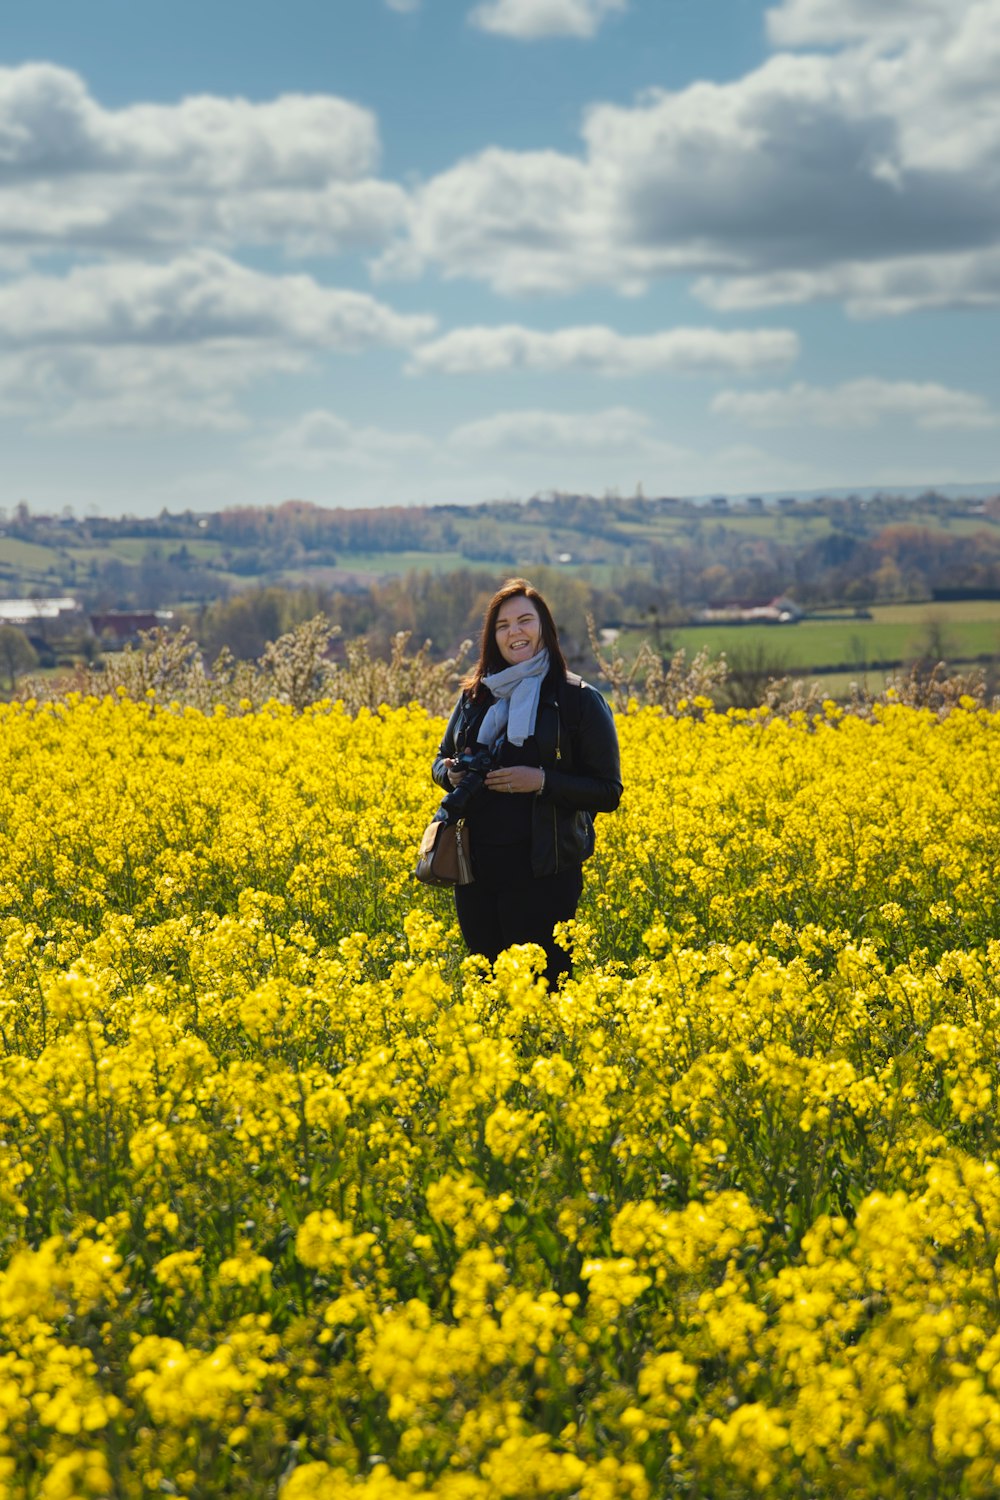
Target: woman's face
<point>518,630</point>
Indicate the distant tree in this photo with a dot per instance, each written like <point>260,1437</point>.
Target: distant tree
<point>935,643</point>
<point>751,668</point>
<point>155,579</point>
<point>85,645</point>
<point>249,620</point>
<point>17,654</point>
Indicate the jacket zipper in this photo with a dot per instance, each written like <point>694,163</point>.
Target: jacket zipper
<point>555,821</point>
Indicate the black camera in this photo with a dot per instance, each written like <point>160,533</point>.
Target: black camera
<point>475,764</point>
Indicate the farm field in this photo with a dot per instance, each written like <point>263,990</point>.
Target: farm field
<point>382,564</point>
<point>896,632</point>
<point>774,525</point>
<point>297,1201</point>
<point>17,555</point>
<point>133,549</point>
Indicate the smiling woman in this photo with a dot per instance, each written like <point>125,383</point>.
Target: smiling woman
<point>553,748</point>
<point>518,629</point>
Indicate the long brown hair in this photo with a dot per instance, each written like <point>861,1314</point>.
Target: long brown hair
<point>490,659</point>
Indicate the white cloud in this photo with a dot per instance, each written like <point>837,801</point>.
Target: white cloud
<point>404,7</point>
<point>866,155</point>
<point>518,453</point>
<point>193,299</point>
<point>60,388</point>
<point>529,451</point>
<point>529,20</point>
<point>803,23</point>
<point>321,439</point>
<point>133,344</point>
<point>857,404</point>
<point>522,221</point>
<point>602,351</point>
<point>297,170</point>
<point>886,288</point>
<point>50,124</point>
<point>614,428</point>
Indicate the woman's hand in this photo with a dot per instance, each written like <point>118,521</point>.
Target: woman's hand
<point>516,779</point>
<point>453,776</point>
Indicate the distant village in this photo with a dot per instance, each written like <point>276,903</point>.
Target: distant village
<point>83,588</point>
<point>47,622</point>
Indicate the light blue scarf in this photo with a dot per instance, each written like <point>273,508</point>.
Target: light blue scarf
<point>517,690</point>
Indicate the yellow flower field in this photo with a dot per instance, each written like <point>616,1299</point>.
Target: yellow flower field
<point>298,1201</point>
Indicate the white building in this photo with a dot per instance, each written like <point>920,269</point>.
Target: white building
<point>26,612</point>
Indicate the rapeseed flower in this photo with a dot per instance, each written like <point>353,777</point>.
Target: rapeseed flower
<point>298,1200</point>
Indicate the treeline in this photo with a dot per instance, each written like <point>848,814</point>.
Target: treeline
<point>627,521</point>
<point>160,577</point>
<point>710,564</point>
<point>899,562</point>
<point>443,609</point>
<point>630,556</point>
<point>317,529</point>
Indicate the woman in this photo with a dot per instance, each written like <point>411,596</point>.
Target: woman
<point>555,763</point>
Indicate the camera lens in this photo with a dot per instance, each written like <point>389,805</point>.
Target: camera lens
<point>474,765</point>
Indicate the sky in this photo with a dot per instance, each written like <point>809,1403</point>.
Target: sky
<point>388,252</point>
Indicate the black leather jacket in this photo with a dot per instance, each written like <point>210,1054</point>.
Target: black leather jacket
<point>578,750</point>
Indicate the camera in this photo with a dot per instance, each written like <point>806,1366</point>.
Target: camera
<point>475,764</point>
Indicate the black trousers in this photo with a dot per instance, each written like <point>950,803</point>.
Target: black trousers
<point>507,904</point>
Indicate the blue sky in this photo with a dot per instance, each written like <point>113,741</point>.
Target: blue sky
<point>370,252</point>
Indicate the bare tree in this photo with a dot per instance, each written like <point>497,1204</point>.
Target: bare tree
<point>17,654</point>
<point>751,669</point>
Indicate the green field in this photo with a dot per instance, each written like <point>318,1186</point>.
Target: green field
<point>387,564</point>
<point>958,631</point>
<point>397,564</point>
<point>28,556</point>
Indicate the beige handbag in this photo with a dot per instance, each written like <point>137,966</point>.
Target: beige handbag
<point>445,856</point>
